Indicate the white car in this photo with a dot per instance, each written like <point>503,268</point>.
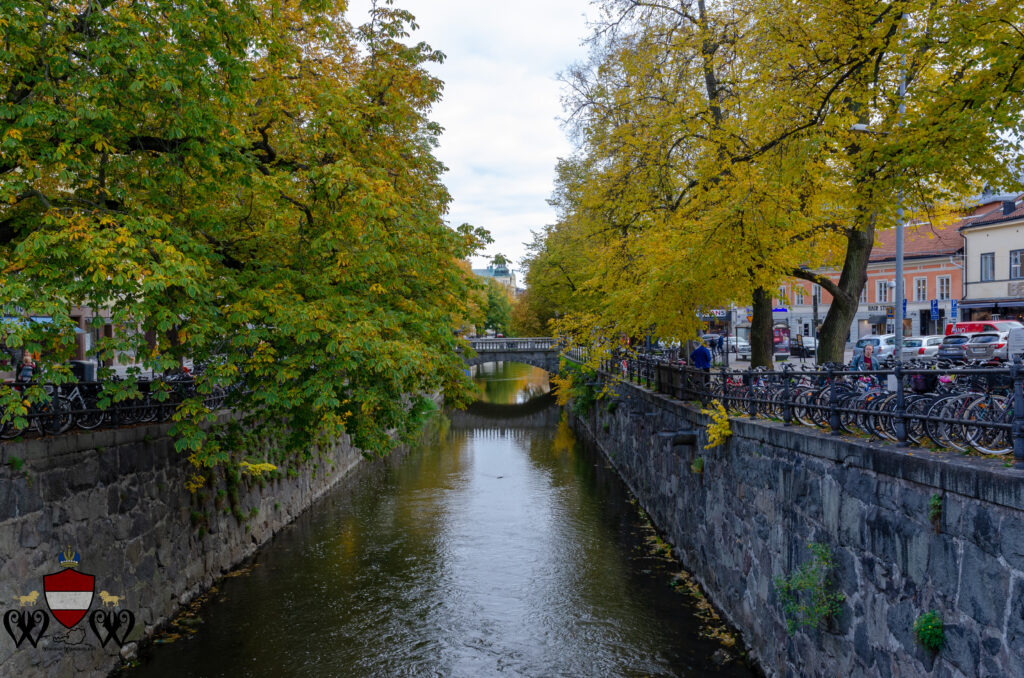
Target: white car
<point>921,347</point>
<point>884,345</point>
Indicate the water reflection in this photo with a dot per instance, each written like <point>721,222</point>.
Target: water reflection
<point>492,550</point>
<point>509,383</point>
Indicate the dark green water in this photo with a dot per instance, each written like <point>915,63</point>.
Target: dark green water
<point>500,549</point>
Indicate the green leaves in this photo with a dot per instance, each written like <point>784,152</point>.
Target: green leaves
<point>248,185</point>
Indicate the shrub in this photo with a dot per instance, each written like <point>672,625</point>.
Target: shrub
<point>698,465</point>
<point>807,596</point>
<point>929,632</point>
<point>718,429</point>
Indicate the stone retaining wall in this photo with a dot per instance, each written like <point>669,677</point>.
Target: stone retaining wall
<point>772,489</point>
<point>118,497</point>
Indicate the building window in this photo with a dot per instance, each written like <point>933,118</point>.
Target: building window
<point>920,289</point>
<point>988,267</point>
<point>1016,264</point>
<point>816,293</point>
<point>864,294</point>
<point>882,291</point>
<point>782,296</point>
<point>800,296</point>
<point>944,287</point>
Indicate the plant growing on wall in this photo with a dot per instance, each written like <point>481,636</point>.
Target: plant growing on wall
<point>718,429</point>
<point>807,597</point>
<point>935,511</point>
<point>929,631</point>
<point>577,384</point>
<point>698,465</point>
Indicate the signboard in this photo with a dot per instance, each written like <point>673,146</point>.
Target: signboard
<point>890,312</point>
<point>935,309</point>
<point>1016,342</point>
<point>954,310</point>
<point>780,310</point>
<point>904,308</point>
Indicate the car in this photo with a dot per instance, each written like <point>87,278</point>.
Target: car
<point>953,347</point>
<point>976,326</point>
<point>803,346</point>
<point>988,346</point>
<point>921,347</point>
<point>884,345</point>
<point>742,348</point>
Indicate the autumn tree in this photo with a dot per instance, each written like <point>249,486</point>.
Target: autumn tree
<point>250,184</point>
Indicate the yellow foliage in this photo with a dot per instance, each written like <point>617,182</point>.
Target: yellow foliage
<point>256,469</point>
<point>718,429</point>
<point>195,483</point>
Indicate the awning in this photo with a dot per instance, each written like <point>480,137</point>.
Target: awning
<point>991,303</point>
<point>877,319</point>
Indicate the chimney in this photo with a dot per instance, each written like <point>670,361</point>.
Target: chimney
<point>1009,206</point>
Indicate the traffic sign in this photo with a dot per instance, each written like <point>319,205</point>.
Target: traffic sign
<point>935,309</point>
<point>953,310</point>
<point>904,308</point>
<point>890,312</point>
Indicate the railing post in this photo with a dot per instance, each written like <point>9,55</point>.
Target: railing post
<point>1018,413</point>
<point>901,406</point>
<point>787,406</point>
<point>751,402</point>
<point>833,409</point>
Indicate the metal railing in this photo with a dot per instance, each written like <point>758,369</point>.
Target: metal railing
<point>966,409</point>
<point>48,409</point>
<point>522,344</point>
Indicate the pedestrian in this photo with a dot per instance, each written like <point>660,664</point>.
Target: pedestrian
<point>864,361</point>
<point>28,368</point>
<point>721,346</point>
<point>701,360</point>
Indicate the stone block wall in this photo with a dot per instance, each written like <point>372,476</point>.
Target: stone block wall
<point>118,497</point>
<point>772,489</point>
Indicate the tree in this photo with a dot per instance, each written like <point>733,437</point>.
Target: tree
<point>251,185</point>
<point>717,154</point>
<point>499,308</point>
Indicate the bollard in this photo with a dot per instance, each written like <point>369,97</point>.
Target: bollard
<point>833,411</point>
<point>1018,413</point>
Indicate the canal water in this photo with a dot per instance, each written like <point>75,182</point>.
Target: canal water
<point>502,547</point>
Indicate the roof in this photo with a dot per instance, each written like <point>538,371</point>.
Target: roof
<point>996,214</point>
<point>920,240</point>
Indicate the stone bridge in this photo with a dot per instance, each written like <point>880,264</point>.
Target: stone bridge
<point>540,352</point>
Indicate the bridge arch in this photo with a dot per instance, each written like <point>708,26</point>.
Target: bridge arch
<point>538,352</point>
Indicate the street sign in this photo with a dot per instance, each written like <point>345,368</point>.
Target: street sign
<point>890,312</point>
<point>904,308</point>
<point>953,310</point>
<point>935,309</point>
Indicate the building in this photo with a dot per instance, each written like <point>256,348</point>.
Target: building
<point>994,252</point>
<point>933,276</point>
<point>501,274</point>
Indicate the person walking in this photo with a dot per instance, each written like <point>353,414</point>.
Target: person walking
<point>864,361</point>
<point>701,360</point>
<point>28,368</point>
<point>721,346</point>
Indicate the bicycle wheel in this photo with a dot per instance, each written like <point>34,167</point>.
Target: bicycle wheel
<point>89,414</point>
<point>53,416</point>
<point>979,434</point>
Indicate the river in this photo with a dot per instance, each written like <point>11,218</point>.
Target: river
<point>500,547</point>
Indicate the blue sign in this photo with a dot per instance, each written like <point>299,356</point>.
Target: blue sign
<point>935,309</point>
<point>904,308</point>
<point>953,310</point>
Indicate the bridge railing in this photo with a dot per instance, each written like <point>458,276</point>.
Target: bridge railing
<point>514,344</point>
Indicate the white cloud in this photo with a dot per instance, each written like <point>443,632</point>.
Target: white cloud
<point>501,105</point>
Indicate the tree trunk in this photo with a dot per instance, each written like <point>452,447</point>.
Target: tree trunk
<point>835,329</point>
<point>761,344</point>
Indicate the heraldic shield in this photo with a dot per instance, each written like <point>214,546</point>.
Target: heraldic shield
<point>69,595</point>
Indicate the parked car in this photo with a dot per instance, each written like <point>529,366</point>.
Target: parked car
<point>741,347</point>
<point>975,326</point>
<point>884,345</point>
<point>953,347</point>
<point>803,346</point>
<point>921,347</point>
<point>988,346</point>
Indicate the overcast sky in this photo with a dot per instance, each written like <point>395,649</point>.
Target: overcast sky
<point>501,106</point>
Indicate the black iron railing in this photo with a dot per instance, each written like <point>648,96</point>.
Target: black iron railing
<point>979,408</point>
